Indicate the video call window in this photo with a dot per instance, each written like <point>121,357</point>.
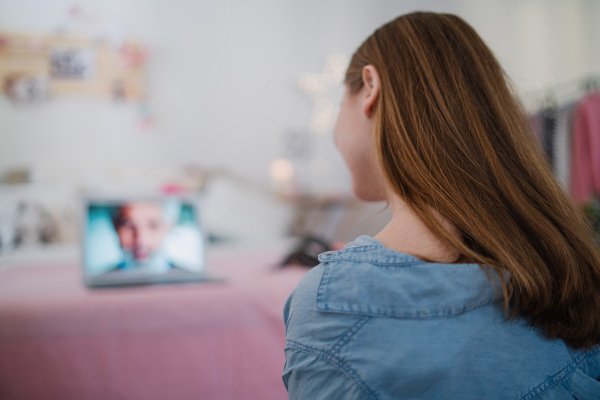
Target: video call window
<point>142,237</point>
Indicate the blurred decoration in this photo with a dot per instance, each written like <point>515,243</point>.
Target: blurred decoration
<point>34,66</point>
<point>72,63</point>
<point>145,115</point>
<point>26,89</point>
<point>319,88</point>
<point>118,91</point>
<point>33,225</point>
<point>35,211</point>
<point>282,174</point>
<point>133,55</point>
<point>173,189</point>
<point>26,223</point>
<point>16,176</point>
<point>76,14</point>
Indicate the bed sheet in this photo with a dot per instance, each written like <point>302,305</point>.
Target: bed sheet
<point>60,340</point>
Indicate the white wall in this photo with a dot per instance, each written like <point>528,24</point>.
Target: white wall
<point>221,77</point>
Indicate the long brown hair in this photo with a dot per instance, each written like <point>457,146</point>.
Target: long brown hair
<point>451,138</point>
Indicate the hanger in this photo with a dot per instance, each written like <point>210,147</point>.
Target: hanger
<point>550,102</point>
<point>591,84</point>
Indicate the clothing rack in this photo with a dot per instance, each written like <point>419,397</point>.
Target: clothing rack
<point>560,94</point>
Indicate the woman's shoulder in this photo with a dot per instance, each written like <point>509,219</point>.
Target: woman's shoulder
<point>394,312</point>
<point>303,321</point>
<point>365,279</point>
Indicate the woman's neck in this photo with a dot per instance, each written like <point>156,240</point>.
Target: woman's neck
<point>406,233</point>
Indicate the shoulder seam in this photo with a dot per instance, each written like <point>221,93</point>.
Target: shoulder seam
<point>558,377</point>
<point>336,362</point>
<point>410,316</point>
<point>351,332</point>
<point>381,264</point>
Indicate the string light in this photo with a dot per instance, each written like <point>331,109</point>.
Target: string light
<point>318,87</point>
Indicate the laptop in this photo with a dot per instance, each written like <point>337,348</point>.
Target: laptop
<point>142,240</point>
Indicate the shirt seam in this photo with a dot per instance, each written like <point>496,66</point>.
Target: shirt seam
<point>366,247</point>
<point>382,264</point>
<point>336,362</point>
<point>558,377</point>
<point>349,334</point>
<point>452,314</point>
<point>322,284</point>
<point>346,255</point>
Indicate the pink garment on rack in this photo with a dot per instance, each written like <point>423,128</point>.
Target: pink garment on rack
<point>585,169</point>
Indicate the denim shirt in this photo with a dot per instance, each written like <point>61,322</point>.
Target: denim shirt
<point>373,323</point>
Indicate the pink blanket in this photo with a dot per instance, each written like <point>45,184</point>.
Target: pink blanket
<point>59,340</point>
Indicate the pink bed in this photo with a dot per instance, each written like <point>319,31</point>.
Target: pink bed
<point>59,340</point>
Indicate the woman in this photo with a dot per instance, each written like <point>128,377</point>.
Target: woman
<point>485,283</point>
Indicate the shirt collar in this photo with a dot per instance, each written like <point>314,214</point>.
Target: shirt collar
<point>367,278</point>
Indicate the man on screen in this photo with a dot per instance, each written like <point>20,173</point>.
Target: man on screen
<point>141,228</point>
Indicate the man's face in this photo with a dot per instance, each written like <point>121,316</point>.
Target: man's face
<point>141,229</point>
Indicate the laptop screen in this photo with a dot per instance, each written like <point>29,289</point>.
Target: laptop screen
<point>142,241</point>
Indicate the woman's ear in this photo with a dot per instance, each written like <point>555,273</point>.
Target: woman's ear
<point>372,84</point>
